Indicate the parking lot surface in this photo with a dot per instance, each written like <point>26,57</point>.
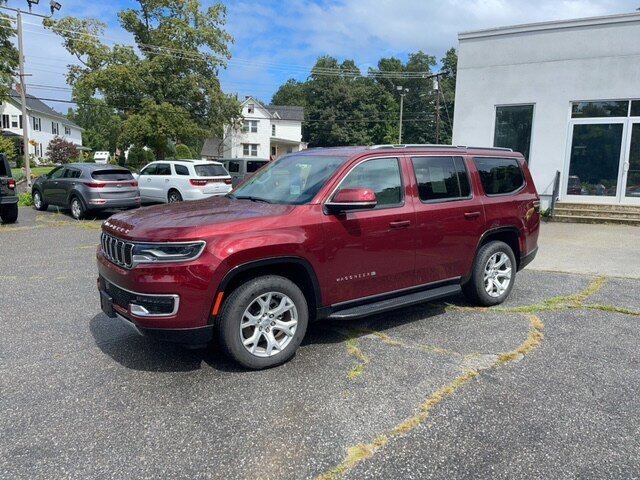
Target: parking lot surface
<point>545,386</point>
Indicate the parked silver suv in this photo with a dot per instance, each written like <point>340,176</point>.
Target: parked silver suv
<point>82,187</point>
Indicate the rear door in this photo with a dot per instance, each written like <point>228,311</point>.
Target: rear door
<point>69,181</point>
<point>145,180</point>
<point>371,252</point>
<point>234,171</point>
<point>449,218</point>
<point>52,187</point>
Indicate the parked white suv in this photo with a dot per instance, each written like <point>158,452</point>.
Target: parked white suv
<point>176,180</point>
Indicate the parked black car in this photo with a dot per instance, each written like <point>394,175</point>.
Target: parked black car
<point>8,197</point>
<point>82,187</point>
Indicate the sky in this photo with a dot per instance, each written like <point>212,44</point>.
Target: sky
<point>277,40</point>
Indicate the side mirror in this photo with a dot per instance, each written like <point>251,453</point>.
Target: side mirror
<point>352,199</point>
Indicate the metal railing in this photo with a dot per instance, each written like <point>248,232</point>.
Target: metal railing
<point>555,194</point>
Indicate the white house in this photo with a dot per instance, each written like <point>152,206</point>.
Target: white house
<point>43,124</point>
<point>564,93</point>
<point>264,132</point>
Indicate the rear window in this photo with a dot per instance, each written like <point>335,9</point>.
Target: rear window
<point>252,166</point>
<point>112,175</point>
<point>210,171</point>
<point>499,175</point>
<point>181,169</point>
<point>234,167</point>
<point>3,167</point>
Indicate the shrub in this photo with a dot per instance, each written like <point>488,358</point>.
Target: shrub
<point>62,151</point>
<point>25,200</point>
<point>183,151</point>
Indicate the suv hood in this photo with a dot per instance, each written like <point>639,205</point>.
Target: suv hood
<point>179,221</point>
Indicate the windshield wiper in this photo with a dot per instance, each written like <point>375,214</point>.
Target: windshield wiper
<point>254,199</point>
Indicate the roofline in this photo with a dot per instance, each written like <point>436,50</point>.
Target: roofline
<point>59,116</point>
<point>620,18</point>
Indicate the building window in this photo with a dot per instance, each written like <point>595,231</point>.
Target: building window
<point>14,121</point>
<point>635,108</point>
<point>67,130</point>
<point>36,123</point>
<point>274,151</point>
<point>599,109</point>
<point>513,128</point>
<point>250,126</point>
<point>251,108</point>
<point>250,149</point>
<point>273,130</point>
<point>55,128</point>
<point>37,149</point>
<point>5,121</point>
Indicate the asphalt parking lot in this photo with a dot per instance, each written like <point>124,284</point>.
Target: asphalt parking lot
<point>545,386</point>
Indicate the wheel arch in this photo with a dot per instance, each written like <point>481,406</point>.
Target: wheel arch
<point>509,235</point>
<point>296,269</point>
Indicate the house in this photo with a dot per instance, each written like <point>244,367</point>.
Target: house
<point>44,124</point>
<point>264,132</point>
<point>564,93</point>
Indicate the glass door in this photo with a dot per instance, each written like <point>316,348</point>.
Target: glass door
<point>631,180</point>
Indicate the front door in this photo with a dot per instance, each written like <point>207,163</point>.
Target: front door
<point>631,179</point>
<point>369,252</point>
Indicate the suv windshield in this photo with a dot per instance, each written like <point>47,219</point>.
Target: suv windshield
<point>210,171</point>
<point>294,179</point>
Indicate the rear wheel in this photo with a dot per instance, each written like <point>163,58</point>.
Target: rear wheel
<point>38,201</point>
<point>263,322</point>
<point>78,210</point>
<point>174,196</point>
<point>9,213</point>
<point>493,275</point>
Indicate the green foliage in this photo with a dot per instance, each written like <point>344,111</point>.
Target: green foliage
<point>138,157</point>
<point>182,151</point>
<point>8,55</point>
<point>350,108</point>
<point>101,123</point>
<point>62,151</point>
<point>8,147</point>
<point>25,199</point>
<point>168,92</point>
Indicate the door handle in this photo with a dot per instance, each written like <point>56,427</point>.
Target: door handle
<point>400,224</point>
<point>166,179</point>
<point>148,179</point>
<point>471,215</point>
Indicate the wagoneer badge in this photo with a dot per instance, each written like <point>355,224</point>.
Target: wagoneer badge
<point>357,276</point>
<point>115,227</point>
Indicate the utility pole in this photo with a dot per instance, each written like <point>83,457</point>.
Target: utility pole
<point>23,90</point>
<point>437,109</point>
<point>402,94</point>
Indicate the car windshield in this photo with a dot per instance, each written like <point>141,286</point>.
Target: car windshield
<point>294,179</point>
<point>210,171</point>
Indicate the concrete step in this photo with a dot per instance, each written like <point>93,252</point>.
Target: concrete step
<point>597,212</point>
<point>592,206</point>
<point>593,219</point>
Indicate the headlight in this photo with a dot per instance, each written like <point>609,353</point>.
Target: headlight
<point>166,252</point>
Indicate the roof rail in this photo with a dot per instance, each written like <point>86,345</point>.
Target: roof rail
<point>500,149</point>
<point>412,145</point>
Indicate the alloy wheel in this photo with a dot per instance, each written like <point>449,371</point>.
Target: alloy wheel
<point>37,201</point>
<point>76,208</point>
<point>268,324</point>
<point>497,274</point>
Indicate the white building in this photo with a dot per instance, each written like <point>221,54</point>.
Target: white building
<point>265,132</point>
<point>564,93</point>
<point>43,124</point>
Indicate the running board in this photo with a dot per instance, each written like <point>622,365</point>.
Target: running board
<point>396,302</point>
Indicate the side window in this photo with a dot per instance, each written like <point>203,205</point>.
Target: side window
<point>234,167</point>
<point>441,178</point>
<point>499,175</point>
<point>71,173</point>
<point>150,170</point>
<point>163,169</point>
<point>381,175</point>
<point>57,173</point>
<point>181,170</point>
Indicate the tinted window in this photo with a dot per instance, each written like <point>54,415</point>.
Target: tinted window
<point>599,109</point>
<point>163,169</point>
<point>234,167</point>
<point>3,167</point>
<point>150,170</point>
<point>252,166</point>
<point>635,108</point>
<point>513,128</point>
<point>57,173</point>
<point>71,173</point>
<point>441,178</point>
<point>112,175</point>
<point>499,175</point>
<point>181,169</point>
<point>380,175</point>
<point>210,170</point>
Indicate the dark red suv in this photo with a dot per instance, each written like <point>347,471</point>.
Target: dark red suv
<point>326,233</point>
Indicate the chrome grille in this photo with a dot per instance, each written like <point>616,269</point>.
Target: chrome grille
<point>117,251</point>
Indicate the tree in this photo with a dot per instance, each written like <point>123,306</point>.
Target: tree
<point>448,91</point>
<point>292,92</point>
<point>8,55</point>
<point>7,146</point>
<point>182,151</point>
<point>62,151</point>
<point>102,125</point>
<point>165,88</point>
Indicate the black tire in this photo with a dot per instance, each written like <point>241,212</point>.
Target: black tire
<point>81,211</point>
<point>174,196</point>
<point>41,205</point>
<point>9,213</point>
<point>245,296</point>
<point>475,289</point>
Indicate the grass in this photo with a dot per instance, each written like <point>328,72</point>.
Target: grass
<point>35,172</point>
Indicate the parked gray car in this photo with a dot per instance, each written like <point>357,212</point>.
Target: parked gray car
<point>241,168</point>
<point>82,187</point>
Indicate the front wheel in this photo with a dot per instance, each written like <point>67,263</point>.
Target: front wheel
<point>9,213</point>
<point>263,322</point>
<point>493,275</point>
